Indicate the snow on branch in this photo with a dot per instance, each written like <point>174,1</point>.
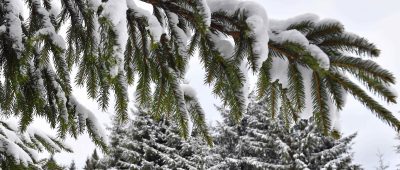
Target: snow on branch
<point>88,119</point>
<point>24,147</point>
<point>155,27</point>
<point>257,21</point>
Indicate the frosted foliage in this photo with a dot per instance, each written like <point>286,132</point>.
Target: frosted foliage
<point>206,12</point>
<point>150,144</point>
<point>23,147</point>
<point>188,90</point>
<point>86,116</point>
<point>47,27</point>
<point>13,26</point>
<point>259,142</point>
<point>257,20</point>
<point>181,35</point>
<point>115,11</point>
<point>392,90</point>
<point>319,55</point>
<point>223,45</point>
<point>281,25</point>
<point>297,37</point>
<point>154,26</point>
<point>94,4</point>
<point>328,21</point>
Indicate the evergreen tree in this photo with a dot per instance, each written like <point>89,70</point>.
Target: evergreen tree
<point>260,142</point>
<point>381,164</point>
<point>146,143</point>
<point>94,162</point>
<point>72,166</point>
<point>51,164</point>
<point>113,42</point>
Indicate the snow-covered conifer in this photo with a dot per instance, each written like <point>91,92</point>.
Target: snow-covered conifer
<point>72,166</point>
<point>260,142</point>
<point>51,164</point>
<point>148,143</point>
<point>93,162</point>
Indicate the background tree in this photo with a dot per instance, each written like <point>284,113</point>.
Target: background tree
<point>51,164</point>
<point>94,162</point>
<point>260,142</point>
<point>381,164</point>
<point>147,143</point>
<point>72,166</point>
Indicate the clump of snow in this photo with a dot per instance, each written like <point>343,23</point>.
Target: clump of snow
<point>94,4</point>
<point>297,37</point>
<point>13,150</point>
<point>86,115</point>
<point>328,21</point>
<point>13,10</point>
<point>47,27</point>
<point>154,26</point>
<point>182,37</point>
<point>257,20</point>
<point>206,12</point>
<point>259,24</point>
<point>290,36</point>
<point>189,90</point>
<point>281,25</point>
<point>392,90</point>
<point>320,56</point>
<point>223,45</point>
<point>55,8</point>
<point>115,11</point>
<point>15,143</point>
<point>114,71</point>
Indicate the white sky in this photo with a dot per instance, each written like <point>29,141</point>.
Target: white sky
<point>378,21</point>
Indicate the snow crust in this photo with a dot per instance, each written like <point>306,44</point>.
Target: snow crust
<point>14,143</point>
<point>257,20</point>
<point>205,10</point>
<point>85,115</point>
<point>189,90</point>
<point>297,37</point>
<point>115,11</point>
<point>223,44</point>
<point>182,37</point>
<point>155,27</point>
<point>47,27</point>
<point>14,9</point>
<point>282,25</point>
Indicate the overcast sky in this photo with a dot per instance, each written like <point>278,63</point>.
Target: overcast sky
<point>378,21</point>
